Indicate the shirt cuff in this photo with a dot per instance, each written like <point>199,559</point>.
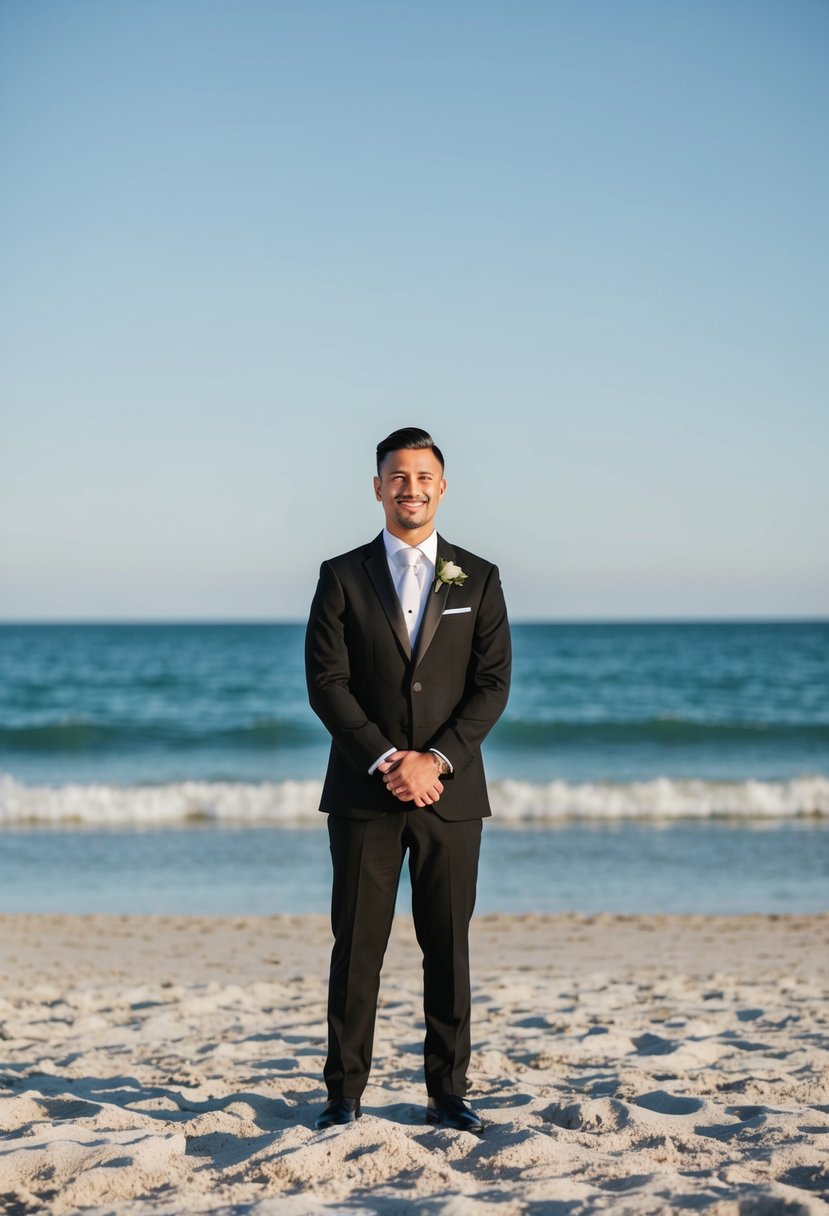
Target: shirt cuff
<point>435,752</point>
<point>380,760</point>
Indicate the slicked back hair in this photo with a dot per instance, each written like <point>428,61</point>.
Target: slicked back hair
<point>407,437</point>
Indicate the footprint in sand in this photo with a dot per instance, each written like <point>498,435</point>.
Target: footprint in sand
<point>653,1045</point>
<point>664,1103</point>
<point>599,1115</point>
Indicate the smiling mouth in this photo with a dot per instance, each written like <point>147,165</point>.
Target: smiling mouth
<point>411,502</point>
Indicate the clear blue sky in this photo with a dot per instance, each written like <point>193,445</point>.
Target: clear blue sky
<point>585,244</point>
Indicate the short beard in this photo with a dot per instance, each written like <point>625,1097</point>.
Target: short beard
<point>407,521</point>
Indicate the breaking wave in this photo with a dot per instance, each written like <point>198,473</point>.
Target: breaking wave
<point>295,802</point>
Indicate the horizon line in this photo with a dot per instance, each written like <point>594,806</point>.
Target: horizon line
<point>518,620</point>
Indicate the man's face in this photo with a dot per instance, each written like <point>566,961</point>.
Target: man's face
<point>410,487</point>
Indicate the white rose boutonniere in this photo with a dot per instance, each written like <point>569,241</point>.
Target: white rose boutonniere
<point>448,572</point>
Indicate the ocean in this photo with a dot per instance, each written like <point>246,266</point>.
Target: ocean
<point>638,767</point>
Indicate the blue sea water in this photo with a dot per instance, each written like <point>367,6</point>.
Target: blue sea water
<point>633,761</point>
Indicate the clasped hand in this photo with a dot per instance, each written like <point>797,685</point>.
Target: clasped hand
<point>412,777</point>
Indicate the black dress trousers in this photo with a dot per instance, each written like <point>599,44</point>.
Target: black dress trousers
<point>367,857</point>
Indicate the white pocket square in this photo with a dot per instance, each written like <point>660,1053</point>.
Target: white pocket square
<point>455,611</point>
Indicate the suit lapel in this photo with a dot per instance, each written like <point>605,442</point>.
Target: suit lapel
<point>377,568</point>
<point>435,604</point>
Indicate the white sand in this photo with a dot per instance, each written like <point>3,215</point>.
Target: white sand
<point>635,1065</point>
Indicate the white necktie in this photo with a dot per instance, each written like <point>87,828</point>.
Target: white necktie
<point>408,589</point>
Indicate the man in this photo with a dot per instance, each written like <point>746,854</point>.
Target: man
<point>408,662</point>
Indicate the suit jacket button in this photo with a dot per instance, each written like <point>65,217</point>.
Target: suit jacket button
<point>417,686</point>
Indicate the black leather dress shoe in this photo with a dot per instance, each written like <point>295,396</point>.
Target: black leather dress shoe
<point>338,1111</point>
<point>453,1112</point>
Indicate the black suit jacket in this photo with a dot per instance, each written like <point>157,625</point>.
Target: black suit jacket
<point>373,694</point>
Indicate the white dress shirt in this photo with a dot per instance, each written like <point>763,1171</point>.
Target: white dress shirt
<point>425,569</point>
<point>426,578</point>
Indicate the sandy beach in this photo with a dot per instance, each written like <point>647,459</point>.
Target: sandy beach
<point>636,1064</point>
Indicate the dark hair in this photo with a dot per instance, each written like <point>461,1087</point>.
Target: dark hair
<point>407,437</point>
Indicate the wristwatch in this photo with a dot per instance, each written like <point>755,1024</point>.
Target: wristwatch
<point>443,767</point>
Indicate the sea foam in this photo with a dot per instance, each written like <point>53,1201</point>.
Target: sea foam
<point>296,802</point>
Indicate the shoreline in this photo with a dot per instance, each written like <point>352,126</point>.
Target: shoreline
<point>247,949</point>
